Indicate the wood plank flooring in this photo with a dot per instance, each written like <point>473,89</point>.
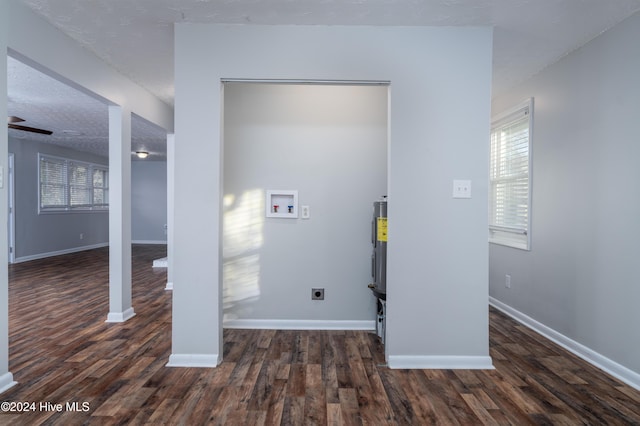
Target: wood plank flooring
<point>62,352</point>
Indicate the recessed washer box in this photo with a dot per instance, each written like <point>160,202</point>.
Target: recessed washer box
<point>282,203</point>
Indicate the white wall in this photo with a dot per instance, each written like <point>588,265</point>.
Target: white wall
<point>148,201</point>
<point>330,144</point>
<point>437,266</point>
<point>581,277</point>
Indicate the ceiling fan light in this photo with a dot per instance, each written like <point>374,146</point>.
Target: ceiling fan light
<point>142,154</point>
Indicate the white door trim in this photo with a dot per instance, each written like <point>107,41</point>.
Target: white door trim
<point>11,222</point>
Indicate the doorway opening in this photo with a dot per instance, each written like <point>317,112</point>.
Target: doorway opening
<point>327,142</point>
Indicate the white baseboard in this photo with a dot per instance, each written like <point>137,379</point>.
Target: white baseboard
<point>157,242</point>
<point>618,371</point>
<point>58,253</point>
<point>453,362</point>
<point>193,360</point>
<point>169,286</point>
<point>120,316</point>
<point>300,324</point>
<point>7,382</point>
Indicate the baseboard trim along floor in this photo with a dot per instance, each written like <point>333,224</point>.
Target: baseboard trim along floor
<point>300,324</point>
<point>594,358</point>
<point>193,360</point>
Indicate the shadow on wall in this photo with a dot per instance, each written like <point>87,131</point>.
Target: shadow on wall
<point>243,224</point>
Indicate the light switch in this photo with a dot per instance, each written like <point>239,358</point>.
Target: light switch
<point>461,189</point>
<point>305,212</point>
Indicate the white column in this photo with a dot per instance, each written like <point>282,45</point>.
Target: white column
<point>120,308</point>
<point>6,378</point>
<point>170,173</point>
<point>196,332</point>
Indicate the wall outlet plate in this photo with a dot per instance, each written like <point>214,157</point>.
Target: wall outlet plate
<point>461,188</point>
<point>317,294</point>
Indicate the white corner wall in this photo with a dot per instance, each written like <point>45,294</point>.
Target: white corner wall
<point>579,284</point>
<point>437,266</point>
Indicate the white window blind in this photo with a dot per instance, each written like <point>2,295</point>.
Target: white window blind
<point>53,183</point>
<point>100,187</point>
<point>510,178</point>
<point>68,185</point>
<point>79,185</point>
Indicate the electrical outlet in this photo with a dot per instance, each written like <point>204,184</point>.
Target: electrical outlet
<point>81,236</point>
<point>507,281</point>
<point>317,294</point>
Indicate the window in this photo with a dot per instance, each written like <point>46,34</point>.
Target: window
<point>100,187</point>
<point>510,178</point>
<point>79,185</point>
<point>53,183</point>
<point>69,185</point>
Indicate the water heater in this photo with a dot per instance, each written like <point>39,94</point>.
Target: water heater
<point>379,256</point>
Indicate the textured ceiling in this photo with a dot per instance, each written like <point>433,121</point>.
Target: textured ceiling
<point>528,34</point>
<point>77,120</point>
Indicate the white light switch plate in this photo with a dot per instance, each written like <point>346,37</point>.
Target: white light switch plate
<point>461,189</point>
<point>306,214</point>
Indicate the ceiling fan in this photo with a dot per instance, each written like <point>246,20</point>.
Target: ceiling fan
<point>12,120</point>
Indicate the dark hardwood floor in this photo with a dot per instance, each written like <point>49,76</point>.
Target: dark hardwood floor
<point>62,352</point>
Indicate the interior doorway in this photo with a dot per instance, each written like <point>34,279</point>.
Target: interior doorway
<point>328,144</point>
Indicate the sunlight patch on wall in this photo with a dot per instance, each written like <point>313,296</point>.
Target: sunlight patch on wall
<point>243,225</point>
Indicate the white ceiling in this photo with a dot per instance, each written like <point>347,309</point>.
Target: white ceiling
<point>528,36</point>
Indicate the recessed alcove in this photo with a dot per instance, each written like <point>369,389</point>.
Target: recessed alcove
<point>323,146</point>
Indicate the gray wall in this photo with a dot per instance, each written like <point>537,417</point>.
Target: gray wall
<point>437,264</point>
<point>47,234</point>
<point>581,276</point>
<point>50,234</point>
<point>330,144</point>
<point>148,201</point>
